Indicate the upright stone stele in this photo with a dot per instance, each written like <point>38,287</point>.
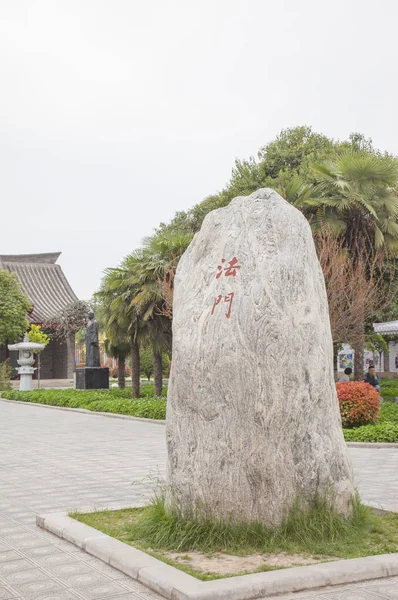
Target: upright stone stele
<point>92,376</point>
<point>26,360</point>
<point>253,423</point>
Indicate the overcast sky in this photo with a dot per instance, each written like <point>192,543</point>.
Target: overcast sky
<point>116,114</point>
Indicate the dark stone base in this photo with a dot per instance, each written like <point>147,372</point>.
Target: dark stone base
<point>92,378</point>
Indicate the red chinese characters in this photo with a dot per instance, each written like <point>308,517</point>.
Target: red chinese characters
<point>228,299</point>
<point>228,271</point>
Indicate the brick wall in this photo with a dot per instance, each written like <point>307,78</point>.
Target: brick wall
<point>54,361</point>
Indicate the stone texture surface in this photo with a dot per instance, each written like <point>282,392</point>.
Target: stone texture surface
<point>52,461</point>
<point>253,422</point>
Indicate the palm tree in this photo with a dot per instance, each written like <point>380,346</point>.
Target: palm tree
<point>116,343</point>
<point>152,272</point>
<point>159,260</point>
<point>134,302</point>
<point>123,321</point>
<point>356,197</point>
<point>144,275</point>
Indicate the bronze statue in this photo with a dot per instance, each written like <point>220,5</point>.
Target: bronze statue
<point>92,346</point>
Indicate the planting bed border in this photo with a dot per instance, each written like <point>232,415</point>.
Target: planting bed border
<point>174,584</point>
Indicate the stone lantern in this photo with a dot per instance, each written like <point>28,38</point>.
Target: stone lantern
<point>26,361</point>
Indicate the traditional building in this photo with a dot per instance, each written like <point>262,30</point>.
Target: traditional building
<point>49,292</point>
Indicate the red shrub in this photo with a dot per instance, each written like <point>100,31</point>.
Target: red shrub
<point>359,403</point>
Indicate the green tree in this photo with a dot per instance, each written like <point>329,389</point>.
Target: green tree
<point>356,197</point>
<point>38,336</point>
<point>144,276</point>
<point>122,319</point>
<point>287,159</point>
<point>153,272</point>
<point>117,342</point>
<point>14,306</point>
<point>5,375</point>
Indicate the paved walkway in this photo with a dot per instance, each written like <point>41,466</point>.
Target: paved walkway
<point>54,460</point>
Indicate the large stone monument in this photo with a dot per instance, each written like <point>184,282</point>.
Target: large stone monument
<point>92,376</point>
<point>253,423</point>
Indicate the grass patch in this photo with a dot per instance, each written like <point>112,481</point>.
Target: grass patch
<point>113,400</point>
<point>319,533</point>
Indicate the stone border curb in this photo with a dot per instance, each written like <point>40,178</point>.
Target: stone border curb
<point>174,584</point>
<point>161,422</point>
<point>372,444</point>
<point>88,412</point>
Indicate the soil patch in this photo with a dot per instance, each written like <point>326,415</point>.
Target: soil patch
<point>227,564</point>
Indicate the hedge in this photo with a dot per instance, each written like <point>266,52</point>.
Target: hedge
<point>112,401</point>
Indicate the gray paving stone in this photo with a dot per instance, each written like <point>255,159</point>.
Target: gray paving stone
<point>56,558</point>
<point>350,594</point>
<point>385,590</point>
<point>55,595</point>
<point>38,589</point>
<point>69,569</point>
<point>28,576</point>
<point>51,460</point>
<point>112,589</point>
<point>87,579</point>
<point>15,566</point>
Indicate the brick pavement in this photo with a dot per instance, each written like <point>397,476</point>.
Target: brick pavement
<point>52,461</point>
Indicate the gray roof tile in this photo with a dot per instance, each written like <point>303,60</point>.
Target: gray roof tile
<point>43,282</point>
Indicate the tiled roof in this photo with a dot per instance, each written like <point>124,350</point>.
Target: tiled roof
<point>43,282</point>
<point>391,327</point>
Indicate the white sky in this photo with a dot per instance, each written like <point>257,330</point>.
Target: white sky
<point>116,114</point>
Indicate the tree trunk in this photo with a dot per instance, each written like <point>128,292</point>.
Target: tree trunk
<point>121,372</point>
<point>358,348</point>
<point>70,350</point>
<point>158,372</point>
<point>135,369</point>
<point>38,370</point>
<point>358,342</point>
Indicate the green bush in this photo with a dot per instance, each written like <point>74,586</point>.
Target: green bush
<point>389,412</point>
<point>112,401</point>
<point>382,432</point>
<point>388,383</point>
<point>5,375</point>
<point>389,388</point>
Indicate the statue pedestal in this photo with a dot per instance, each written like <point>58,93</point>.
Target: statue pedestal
<point>92,378</point>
